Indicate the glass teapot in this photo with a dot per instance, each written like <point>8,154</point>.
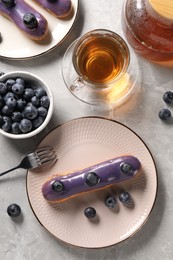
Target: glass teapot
<point>148,27</point>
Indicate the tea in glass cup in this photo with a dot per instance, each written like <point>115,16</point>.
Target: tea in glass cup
<point>96,67</point>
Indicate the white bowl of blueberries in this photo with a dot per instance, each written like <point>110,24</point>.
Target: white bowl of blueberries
<point>26,104</point>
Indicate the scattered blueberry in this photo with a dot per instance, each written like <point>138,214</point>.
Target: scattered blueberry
<point>57,186</point>
<point>9,3</point>
<point>28,94</point>
<point>37,121</point>
<point>18,89</point>
<point>90,212</point>
<point>20,81</point>
<point>6,127</point>
<point>14,210</point>
<point>15,128</point>
<point>7,111</point>
<point>30,112</point>
<point>164,114</point>
<point>124,197</point>
<point>8,95</point>
<point>35,101</point>
<point>25,125</point>
<point>44,101</point>
<point>16,116</point>
<point>110,201</point>
<point>42,111</point>
<point>91,179</point>
<point>168,97</point>
<point>6,119</point>
<point>39,92</point>
<point>21,104</point>
<point>126,168</point>
<point>11,102</point>
<point>9,83</point>
<point>30,21</point>
<point>3,88</point>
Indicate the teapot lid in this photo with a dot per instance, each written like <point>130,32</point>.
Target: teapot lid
<point>163,8</point>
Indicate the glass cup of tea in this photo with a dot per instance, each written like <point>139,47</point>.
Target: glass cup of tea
<point>99,68</point>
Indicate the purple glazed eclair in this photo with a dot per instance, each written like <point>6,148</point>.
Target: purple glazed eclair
<point>25,17</point>
<point>96,177</point>
<point>58,8</point>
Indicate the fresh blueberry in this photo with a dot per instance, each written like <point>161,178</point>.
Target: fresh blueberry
<point>9,83</point>
<point>168,97</point>
<point>6,119</point>
<point>18,89</point>
<point>124,197</point>
<point>57,186</point>
<point>25,125</point>
<point>90,212</point>
<point>1,101</point>
<point>14,210</point>
<point>6,127</point>
<point>30,112</point>
<point>8,95</point>
<point>44,101</point>
<point>1,73</point>
<point>91,179</point>
<point>7,111</point>
<point>30,21</point>
<point>15,129</point>
<point>20,81</point>
<point>28,94</point>
<point>42,111</point>
<point>3,88</point>
<point>110,201</point>
<point>35,101</point>
<point>21,104</point>
<point>37,121</point>
<point>164,114</point>
<point>39,92</point>
<point>9,3</point>
<point>126,168</point>
<point>16,116</point>
<point>11,102</point>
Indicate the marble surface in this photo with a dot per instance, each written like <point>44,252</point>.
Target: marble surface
<point>25,238</point>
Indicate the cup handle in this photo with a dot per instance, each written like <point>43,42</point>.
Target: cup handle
<point>77,84</point>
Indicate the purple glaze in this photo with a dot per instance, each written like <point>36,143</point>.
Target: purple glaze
<point>109,172</point>
<point>59,8</point>
<point>16,14</point>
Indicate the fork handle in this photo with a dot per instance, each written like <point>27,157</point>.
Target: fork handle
<point>12,169</point>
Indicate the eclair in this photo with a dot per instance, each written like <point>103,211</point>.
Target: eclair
<point>58,8</point>
<point>33,24</point>
<point>99,176</point>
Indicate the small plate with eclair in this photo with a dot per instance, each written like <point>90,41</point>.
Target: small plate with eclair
<point>32,27</point>
<point>102,188</point>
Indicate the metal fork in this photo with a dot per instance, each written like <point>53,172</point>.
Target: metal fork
<point>41,156</point>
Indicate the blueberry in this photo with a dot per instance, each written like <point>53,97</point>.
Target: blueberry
<point>3,88</point>
<point>21,104</point>
<point>6,127</point>
<point>42,111</point>
<point>168,97</point>
<point>14,210</point>
<point>16,116</point>
<point>35,101</point>
<point>91,179</point>
<point>90,212</point>
<point>7,111</point>
<point>9,83</point>
<point>18,89</point>
<point>164,114</point>
<point>30,21</point>
<point>37,121</point>
<point>20,81</point>
<point>110,201</point>
<point>30,112</point>
<point>1,101</point>
<point>39,92</point>
<point>1,73</point>
<point>126,168</point>
<point>25,125</point>
<point>124,197</point>
<point>44,101</point>
<point>8,95</point>
<point>9,3</point>
<point>6,119</point>
<point>28,94</point>
<point>11,102</point>
<point>15,129</point>
<point>57,186</point>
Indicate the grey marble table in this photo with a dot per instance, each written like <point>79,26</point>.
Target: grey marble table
<point>27,239</point>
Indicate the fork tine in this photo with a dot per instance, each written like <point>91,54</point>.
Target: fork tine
<point>45,154</point>
<point>47,159</point>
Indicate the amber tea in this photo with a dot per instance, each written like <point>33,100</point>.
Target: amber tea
<point>100,59</point>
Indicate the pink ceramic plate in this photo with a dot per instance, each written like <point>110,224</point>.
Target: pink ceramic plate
<point>81,143</point>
